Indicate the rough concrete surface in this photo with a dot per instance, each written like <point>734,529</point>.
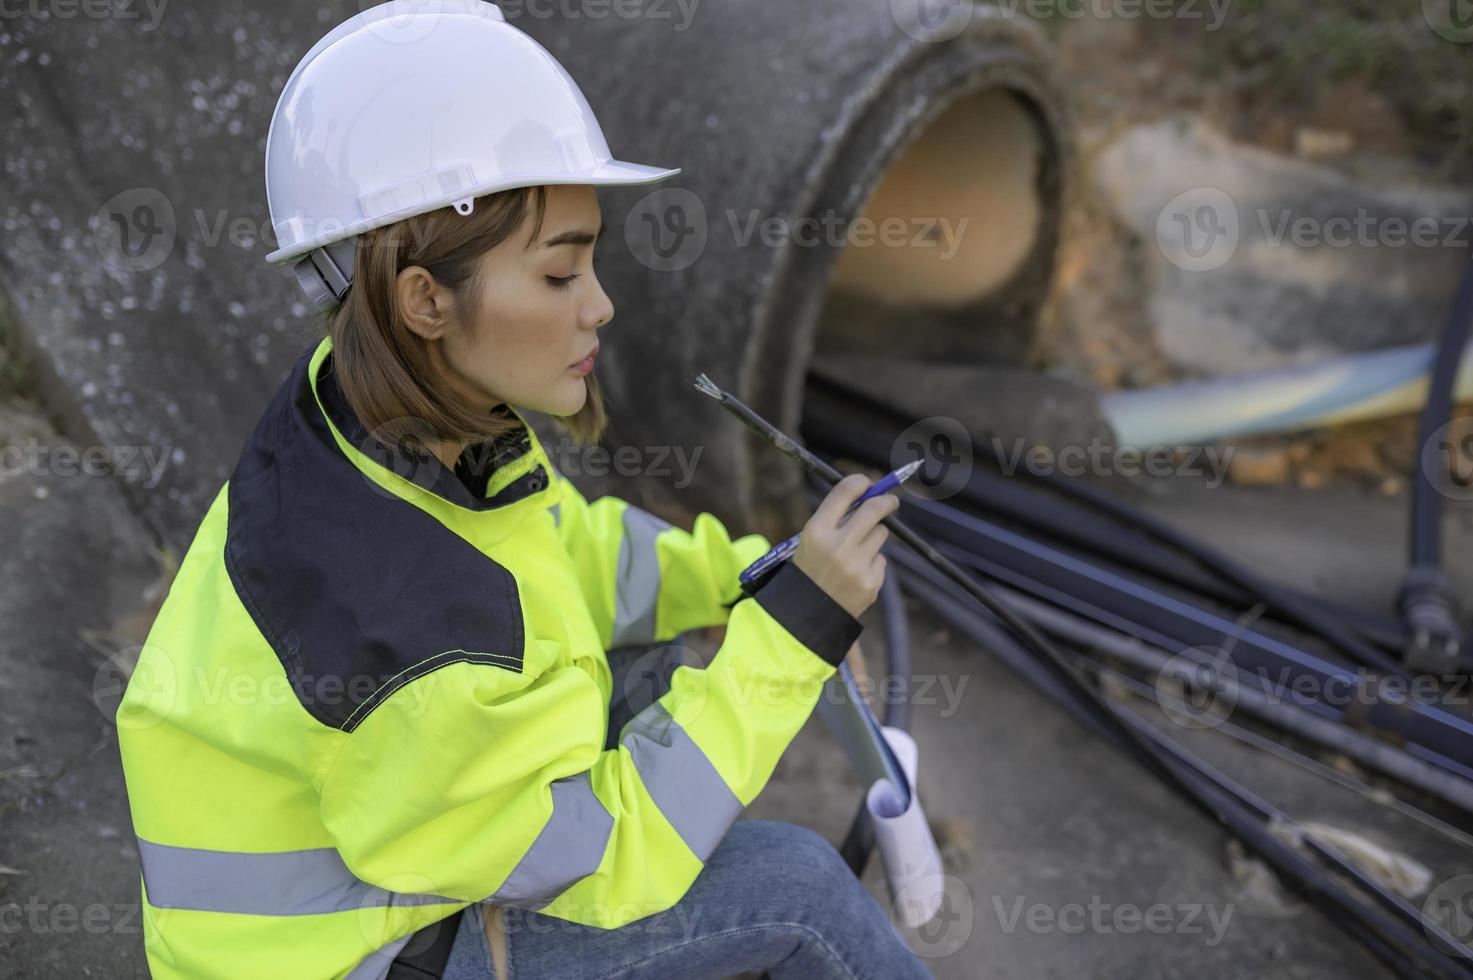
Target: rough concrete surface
<point>76,567</point>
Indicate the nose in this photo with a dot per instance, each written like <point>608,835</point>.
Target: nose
<point>599,310</point>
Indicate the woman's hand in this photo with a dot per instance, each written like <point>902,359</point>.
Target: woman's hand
<point>845,560</point>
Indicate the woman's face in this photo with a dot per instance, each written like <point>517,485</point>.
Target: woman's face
<point>536,314</point>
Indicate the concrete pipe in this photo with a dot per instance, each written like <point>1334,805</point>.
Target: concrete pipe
<point>857,180</point>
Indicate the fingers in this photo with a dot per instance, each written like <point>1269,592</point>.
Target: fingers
<point>869,515</point>
<point>843,493</point>
<point>871,543</point>
<point>877,573</point>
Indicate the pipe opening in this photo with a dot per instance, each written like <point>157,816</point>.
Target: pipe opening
<point>954,222</point>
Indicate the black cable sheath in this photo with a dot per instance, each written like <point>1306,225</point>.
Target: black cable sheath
<point>1415,953</point>
<point>1425,545</point>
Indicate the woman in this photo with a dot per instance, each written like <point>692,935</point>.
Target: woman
<point>379,692</point>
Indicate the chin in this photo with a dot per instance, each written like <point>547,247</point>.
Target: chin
<point>567,400</point>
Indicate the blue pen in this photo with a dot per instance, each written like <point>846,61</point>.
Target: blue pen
<point>782,552</point>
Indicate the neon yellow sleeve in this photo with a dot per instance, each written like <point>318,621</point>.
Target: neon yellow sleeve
<point>645,579</point>
<point>479,782</point>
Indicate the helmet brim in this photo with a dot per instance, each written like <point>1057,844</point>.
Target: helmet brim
<point>610,173</point>
<point>619,172</point>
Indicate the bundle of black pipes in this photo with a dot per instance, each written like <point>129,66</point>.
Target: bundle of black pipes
<point>1097,616</point>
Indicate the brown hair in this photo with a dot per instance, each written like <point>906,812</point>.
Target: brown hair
<point>383,367</point>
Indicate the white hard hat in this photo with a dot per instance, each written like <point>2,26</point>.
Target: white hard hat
<point>412,106</point>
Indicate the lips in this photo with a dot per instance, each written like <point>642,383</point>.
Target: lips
<point>589,356</point>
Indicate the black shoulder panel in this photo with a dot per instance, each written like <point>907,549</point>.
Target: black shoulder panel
<point>358,591</point>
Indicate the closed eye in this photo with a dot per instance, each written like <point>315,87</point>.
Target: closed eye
<point>561,282</point>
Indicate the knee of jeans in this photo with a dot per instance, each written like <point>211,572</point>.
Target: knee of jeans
<point>800,861</point>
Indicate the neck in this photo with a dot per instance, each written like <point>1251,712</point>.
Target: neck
<point>448,452</point>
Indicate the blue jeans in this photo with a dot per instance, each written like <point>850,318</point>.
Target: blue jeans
<point>773,896</point>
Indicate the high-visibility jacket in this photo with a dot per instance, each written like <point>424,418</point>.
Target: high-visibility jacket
<point>374,696</point>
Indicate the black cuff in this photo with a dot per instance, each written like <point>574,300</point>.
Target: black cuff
<point>809,613</point>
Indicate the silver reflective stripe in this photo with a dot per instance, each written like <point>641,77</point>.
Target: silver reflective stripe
<point>637,584</point>
<point>309,882</point>
<point>680,779</point>
<point>571,846</point>
<point>557,515</point>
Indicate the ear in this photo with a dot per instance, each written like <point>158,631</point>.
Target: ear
<point>424,304</point>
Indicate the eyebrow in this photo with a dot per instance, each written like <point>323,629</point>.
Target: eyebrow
<point>576,237</point>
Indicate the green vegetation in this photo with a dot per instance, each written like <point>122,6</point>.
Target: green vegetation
<point>1287,46</point>
<point>15,374</point>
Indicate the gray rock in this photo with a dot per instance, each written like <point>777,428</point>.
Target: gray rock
<point>134,222</point>
<point>75,564</point>
<point>1259,260</point>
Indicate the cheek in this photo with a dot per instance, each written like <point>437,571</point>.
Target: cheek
<point>533,348</point>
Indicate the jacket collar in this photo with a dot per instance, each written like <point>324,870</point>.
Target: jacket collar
<point>505,472</point>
